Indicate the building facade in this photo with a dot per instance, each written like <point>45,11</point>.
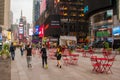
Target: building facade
<point>36,10</point>
<point>73,21</point>
<point>4,20</point>
<point>64,17</point>
<point>5,14</point>
<point>72,17</point>
<point>103,21</point>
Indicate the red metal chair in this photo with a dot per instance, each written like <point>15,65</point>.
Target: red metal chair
<point>83,53</point>
<point>111,58</point>
<point>51,54</point>
<point>74,58</point>
<point>65,59</point>
<point>90,52</point>
<point>107,66</point>
<point>66,51</point>
<point>105,53</point>
<point>95,64</point>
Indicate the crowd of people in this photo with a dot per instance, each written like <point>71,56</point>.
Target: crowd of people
<point>27,50</point>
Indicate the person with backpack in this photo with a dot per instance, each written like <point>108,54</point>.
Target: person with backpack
<point>12,50</point>
<point>21,50</point>
<point>44,56</point>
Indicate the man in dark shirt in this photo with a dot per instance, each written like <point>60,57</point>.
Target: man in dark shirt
<point>12,50</point>
<point>44,56</point>
<point>29,55</point>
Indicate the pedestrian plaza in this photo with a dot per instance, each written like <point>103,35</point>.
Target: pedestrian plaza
<point>80,71</point>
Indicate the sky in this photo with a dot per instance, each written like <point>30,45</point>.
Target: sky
<point>24,5</point>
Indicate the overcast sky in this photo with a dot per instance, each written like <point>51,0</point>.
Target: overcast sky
<point>24,5</point>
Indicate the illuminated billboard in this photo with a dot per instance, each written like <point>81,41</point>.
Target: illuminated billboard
<point>20,30</point>
<point>31,31</point>
<point>36,31</point>
<point>41,31</point>
<point>116,31</point>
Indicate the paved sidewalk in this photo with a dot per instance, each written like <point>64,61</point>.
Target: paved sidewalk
<point>81,71</point>
<point>14,71</point>
<point>5,69</point>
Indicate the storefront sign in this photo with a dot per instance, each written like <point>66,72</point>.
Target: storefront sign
<point>53,39</point>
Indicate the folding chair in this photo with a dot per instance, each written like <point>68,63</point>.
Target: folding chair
<point>90,52</point>
<point>51,55</point>
<point>74,58</point>
<point>95,64</point>
<point>66,51</point>
<point>105,54</point>
<point>107,66</point>
<point>83,53</point>
<point>65,59</point>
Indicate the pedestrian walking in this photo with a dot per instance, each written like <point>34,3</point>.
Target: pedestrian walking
<point>58,55</point>
<point>12,50</point>
<point>29,55</point>
<point>44,56</point>
<point>21,50</point>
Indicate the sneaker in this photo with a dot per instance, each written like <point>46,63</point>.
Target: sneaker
<point>57,65</point>
<point>46,66</point>
<point>60,66</point>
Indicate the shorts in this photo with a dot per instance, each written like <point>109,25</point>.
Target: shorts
<point>58,56</point>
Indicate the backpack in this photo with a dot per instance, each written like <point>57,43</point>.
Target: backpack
<point>11,48</point>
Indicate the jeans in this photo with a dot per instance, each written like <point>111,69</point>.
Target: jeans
<point>44,60</point>
<point>12,55</point>
<point>21,53</point>
<point>29,59</point>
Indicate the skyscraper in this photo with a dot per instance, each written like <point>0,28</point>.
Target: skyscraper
<point>4,13</point>
<point>36,10</point>
<point>73,21</point>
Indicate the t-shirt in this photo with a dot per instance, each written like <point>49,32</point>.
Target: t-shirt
<point>59,50</point>
<point>12,48</point>
<point>29,51</point>
<point>44,53</point>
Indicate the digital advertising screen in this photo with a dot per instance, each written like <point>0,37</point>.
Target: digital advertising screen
<point>41,31</point>
<point>116,31</point>
<point>20,30</point>
<point>36,30</point>
<point>30,31</point>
